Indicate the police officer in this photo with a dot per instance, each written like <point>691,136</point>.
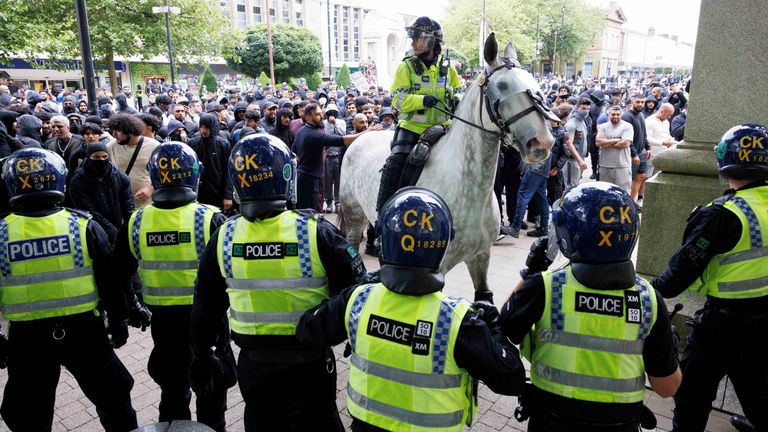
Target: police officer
<point>53,272</point>
<point>415,351</point>
<point>268,266</point>
<point>423,82</point>
<point>599,329</point>
<point>723,256</point>
<point>165,241</point>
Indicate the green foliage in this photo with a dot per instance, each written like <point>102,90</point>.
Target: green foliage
<point>571,26</point>
<point>342,77</point>
<point>314,81</point>
<point>139,70</point>
<point>296,51</point>
<point>458,57</point>
<point>117,27</point>
<point>515,21</point>
<point>208,81</point>
<point>264,79</point>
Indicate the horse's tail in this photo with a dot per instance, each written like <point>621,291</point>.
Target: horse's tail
<point>342,221</point>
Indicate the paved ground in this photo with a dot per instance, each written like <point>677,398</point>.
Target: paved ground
<point>75,413</point>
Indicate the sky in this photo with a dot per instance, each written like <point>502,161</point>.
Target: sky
<point>679,17</point>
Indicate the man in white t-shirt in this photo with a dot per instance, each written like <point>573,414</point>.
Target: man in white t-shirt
<point>614,139</point>
<point>658,132</point>
<point>128,130</point>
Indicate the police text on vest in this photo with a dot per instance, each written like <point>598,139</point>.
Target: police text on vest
<point>39,248</point>
<point>599,304</point>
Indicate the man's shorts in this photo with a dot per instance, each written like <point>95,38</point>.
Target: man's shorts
<point>642,168</point>
<point>621,177</point>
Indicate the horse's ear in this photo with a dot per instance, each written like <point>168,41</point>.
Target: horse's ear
<point>491,49</point>
<point>510,52</point>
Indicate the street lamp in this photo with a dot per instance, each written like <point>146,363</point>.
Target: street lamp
<point>168,11</point>
<point>86,54</point>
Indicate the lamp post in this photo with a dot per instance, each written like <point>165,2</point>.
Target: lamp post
<point>269,44</point>
<point>330,66</point>
<point>482,37</point>
<point>86,54</point>
<point>168,11</point>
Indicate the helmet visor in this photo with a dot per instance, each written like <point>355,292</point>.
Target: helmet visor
<point>418,41</point>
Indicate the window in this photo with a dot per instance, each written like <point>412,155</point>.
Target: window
<point>588,69</point>
<point>272,10</point>
<point>299,19</point>
<point>257,14</point>
<point>240,13</point>
<point>285,11</point>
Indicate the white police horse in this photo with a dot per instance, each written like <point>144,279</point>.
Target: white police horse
<point>504,101</point>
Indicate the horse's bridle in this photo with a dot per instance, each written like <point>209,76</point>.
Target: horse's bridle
<point>492,102</point>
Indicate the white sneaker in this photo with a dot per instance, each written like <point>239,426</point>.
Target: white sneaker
<point>499,237</point>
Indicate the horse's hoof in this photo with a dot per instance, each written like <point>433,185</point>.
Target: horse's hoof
<point>486,295</point>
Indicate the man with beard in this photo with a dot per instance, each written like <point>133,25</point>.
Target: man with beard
<point>64,142</point>
<point>213,151</point>
<point>640,149</point>
<point>308,146</point>
<point>130,151</point>
<point>180,114</point>
<point>614,139</point>
<point>270,115</point>
<point>68,105</point>
<point>46,132</point>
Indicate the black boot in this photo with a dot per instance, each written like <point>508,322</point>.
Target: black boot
<point>486,295</point>
<point>742,424</point>
<point>390,177</point>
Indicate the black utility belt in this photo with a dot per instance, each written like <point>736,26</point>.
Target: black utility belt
<point>284,356</point>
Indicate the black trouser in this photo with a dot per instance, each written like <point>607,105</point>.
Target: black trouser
<point>307,191</point>
<point>509,180</point>
<point>35,359</point>
<point>733,344</point>
<point>402,143</point>
<point>543,422</point>
<point>555,187</point>
<point>332,179</point>
<point>169,365</point>
<point>594,156</point>
<point>289,397</point>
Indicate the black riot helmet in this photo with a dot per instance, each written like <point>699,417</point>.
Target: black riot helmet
<point>428,30</point>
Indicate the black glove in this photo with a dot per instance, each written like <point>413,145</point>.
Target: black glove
<point>119,332</point>
<point>487,312</point>
<point>430,101</point>
<point>3,351</point>
<point>205,372</point>
<point>537,260</point>
<point>139,315</point>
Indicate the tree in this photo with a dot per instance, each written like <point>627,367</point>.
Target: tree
<point>458,59</point>
<point>208,81</point>
<point>264,79</point>
<point>342,77</point>
<point>314,81</point>
<point>296,51</point>
<point>515,21</point>
<point>117,28</point>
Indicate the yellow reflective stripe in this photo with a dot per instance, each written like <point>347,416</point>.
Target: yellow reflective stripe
<point>746,255</point>
<point>168,265</point>
<point>42,305</point>
<point>405,416</point>
<point>572,379</point>
<point>415,379</point>
<point>595,343</point>
<point>743,285</point>
<point>169,291</point>
<point>276,283</point>
<point>266,317</point>
<point>55,276</point>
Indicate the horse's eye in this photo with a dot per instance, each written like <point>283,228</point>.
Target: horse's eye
<point>501,86</point>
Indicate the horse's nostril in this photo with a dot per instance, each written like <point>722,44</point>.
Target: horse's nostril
<point>532,143</point>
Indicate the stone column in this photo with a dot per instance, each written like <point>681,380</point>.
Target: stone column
<point>727,89</point>
<point>729,63</point>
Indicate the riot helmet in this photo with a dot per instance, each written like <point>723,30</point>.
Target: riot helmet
<point>424,36</point>
<point>741,153</point>
<point>261,171</point>
<point>35,179</point>
<point>596,222</point>
<point>175,173</point>
<point>416,228</point>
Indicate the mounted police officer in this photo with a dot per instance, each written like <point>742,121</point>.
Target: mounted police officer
<point>599,329</point>
<point>416,352</point>
<point>54,265</point>
<point>724,257</point>
<point>268,266</point>
<point>166,241</point>
<point>423,82</point>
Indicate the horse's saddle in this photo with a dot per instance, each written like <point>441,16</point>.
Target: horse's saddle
<point>419,155</point>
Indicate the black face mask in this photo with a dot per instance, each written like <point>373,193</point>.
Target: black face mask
<point>99,168</point>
